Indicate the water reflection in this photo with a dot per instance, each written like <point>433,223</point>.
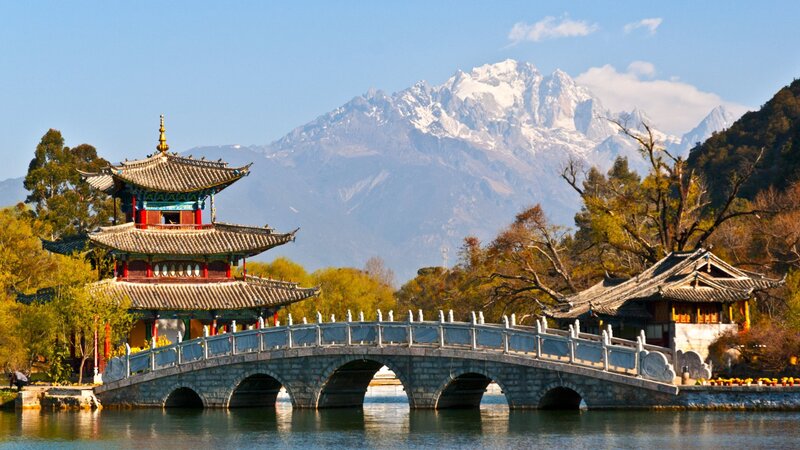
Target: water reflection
<point>391,424</point>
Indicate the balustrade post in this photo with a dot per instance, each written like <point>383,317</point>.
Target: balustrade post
<point>505,334</point>
<point>450,316</point>
<point>205,342</point>
<point>391,315</point>
<point>361,316</point>
<point>571,340</point>
<point>349,330</point>
<point>289,320</point>
<point>233,326</point>
<point>127,360</point>
<point>480,317</point>
<point>605,350</point>
<point>513,320</point>
<point>577,328</point>
<point>472,331</point>
<point>319,329</point>
<point>232,339</point>
<point>639,351</point>
<point>441,329</point>
<point>289,337</point>
<point>380,332</point>
<point>410,331</point>
<point>179,349</point>
<point>260,322</point>
<point>419,315</point>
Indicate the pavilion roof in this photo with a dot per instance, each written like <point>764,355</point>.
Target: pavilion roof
<point>165,172</point>
<point>697,277</point>
<point>209,239</point>
<point>252,292</point>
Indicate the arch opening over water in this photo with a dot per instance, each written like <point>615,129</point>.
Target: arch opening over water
<point>348,385</point>
<point>464,391</point>
<point>256,391</point>
<point>562,398</point>
<point>183,397</point>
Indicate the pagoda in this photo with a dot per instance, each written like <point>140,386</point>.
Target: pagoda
<point>175,269</point>
<point>684,301</point>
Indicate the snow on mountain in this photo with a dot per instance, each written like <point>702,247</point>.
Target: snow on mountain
<point>720,118</point>
<point>405,175</point>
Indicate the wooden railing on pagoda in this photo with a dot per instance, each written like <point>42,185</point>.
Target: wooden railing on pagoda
<point>174,226</point>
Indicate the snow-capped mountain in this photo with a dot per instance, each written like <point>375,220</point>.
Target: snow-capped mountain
<point>718,119</point>
<point>408,174</point>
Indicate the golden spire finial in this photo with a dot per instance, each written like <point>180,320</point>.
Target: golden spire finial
<point>162,138</point>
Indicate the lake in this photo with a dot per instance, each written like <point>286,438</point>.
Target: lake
<point>386,422</point>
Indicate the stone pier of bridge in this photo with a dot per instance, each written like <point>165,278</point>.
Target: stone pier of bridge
<point>329,377</point>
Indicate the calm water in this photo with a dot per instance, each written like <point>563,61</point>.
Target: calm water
<point>388,423</point>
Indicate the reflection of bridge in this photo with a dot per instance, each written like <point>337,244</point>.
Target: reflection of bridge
<point>441,364</point>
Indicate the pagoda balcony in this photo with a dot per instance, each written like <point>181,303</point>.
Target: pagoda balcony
<point>177,280</point>
<point>174,226</point>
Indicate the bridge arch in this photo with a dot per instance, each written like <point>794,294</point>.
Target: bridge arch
<point>344,383</point>
<point>465,389</point>
<point>561,396</point>
<point>256,388</point>
<point>184,396</point>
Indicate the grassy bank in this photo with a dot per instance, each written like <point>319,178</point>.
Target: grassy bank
<point>7,397</point>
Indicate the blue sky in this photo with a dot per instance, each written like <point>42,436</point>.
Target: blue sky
<point>248,72</point>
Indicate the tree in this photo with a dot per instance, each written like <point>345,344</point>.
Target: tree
<point>56,191</point>
<point>281,268</point>
<point>530,264</point>
<point>669,210</point>
<point>83,313</point>
<point>344,289</point>
<point>376,267</point>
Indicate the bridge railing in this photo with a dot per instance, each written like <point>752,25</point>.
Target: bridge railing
<point>603,352</point>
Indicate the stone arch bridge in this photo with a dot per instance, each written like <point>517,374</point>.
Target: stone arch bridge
<point>441,364</point>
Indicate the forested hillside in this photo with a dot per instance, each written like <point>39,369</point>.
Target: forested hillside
<point>775,128</point>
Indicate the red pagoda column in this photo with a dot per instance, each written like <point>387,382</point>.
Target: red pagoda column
<point>205,270</point>
<point>198,218</point>
<point>143,218</point>
<point>125,269</point>
<point>134,217</point>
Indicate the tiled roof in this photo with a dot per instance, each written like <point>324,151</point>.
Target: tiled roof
<point>216,239</point>
<point>66,246</point>
<point>253,292</point>
<point>682,277</point>
<point>43,295</point>
<point>163,172</point>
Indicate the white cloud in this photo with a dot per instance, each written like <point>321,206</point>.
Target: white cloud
<point>642,68</point>
<point>674,106</point>
<point>651,25</point>
<point>550,28</point>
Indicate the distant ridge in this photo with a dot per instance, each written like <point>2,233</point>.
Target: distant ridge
<point>775,127</point>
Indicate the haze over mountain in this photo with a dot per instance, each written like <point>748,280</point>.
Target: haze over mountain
<point>406,176</point>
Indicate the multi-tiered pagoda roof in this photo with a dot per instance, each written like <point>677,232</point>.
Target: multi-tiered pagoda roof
<point>194,240</point>
<point>168,262</point>
<point>164,172</point>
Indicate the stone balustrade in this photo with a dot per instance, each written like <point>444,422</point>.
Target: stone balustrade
<point>601,352</point>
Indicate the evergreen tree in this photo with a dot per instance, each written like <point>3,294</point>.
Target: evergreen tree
<point>58,195</point>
